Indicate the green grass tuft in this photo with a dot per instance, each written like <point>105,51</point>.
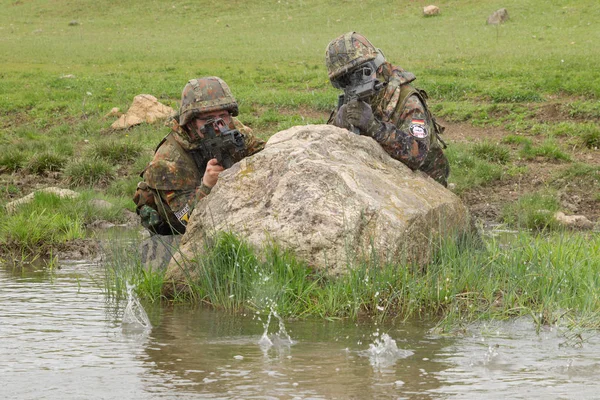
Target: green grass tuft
<point>89,172</point>
<point>469,171</point>
<point>12,161</point>
<point>517,139</point>
<point>554,276</point>
<point>549,150</point>
<point>116,152</point>
<point>123,187</point>
<point>492,152</point>
<point>45,162</point>
<point>532,211</point>
<point>49,220</point>
<point>591,138</point>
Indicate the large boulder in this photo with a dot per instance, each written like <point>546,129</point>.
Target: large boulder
<point>145,108</point>
<point>330,196</point>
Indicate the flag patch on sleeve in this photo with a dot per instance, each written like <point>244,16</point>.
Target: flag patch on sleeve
<point>418,129</point>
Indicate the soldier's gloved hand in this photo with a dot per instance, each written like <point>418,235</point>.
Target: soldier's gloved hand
<point>359,115</point>
<point>211,174</point>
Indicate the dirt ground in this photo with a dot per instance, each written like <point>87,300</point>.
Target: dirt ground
<point>486,202</point>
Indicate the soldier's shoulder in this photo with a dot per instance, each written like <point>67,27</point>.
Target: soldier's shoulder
<point>245,130</point>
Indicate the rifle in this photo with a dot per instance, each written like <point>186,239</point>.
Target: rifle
<point>362,84</point>
<point>223,147</point>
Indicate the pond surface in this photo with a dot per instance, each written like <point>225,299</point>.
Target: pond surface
<point>62,338</point>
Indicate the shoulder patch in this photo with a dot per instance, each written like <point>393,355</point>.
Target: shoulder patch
<point>418,129</point>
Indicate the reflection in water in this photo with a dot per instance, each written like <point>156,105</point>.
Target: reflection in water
<point>62,339</point>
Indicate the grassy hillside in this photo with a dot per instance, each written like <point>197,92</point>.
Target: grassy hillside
<point>65,64</point>
<point>266,48</point>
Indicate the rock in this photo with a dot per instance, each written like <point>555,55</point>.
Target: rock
<point>114,112</point>
<point>498,17</point>
<point>574,221</point>
<point>331,197</point>
<point>431,10</point>
<point>62,193</point>
<point>131,218</point>
<point>145,108</point>
<point>156,251</point>
<point>100,224</point>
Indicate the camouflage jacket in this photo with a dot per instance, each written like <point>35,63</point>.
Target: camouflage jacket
<point>175,177</point>
<point>408,132</point>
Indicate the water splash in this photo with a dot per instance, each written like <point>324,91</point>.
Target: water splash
<point>135,318</point>
<point>280,339</point>
<point>384,352</point>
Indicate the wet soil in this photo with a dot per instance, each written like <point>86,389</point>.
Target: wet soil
<point>576,197</point>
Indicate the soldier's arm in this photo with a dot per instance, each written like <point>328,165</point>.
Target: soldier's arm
<point>253,144</point>
<point>408,140</point>
<point>183,202</point>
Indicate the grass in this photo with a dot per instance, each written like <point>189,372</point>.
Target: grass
<point>45,162</point>
<point>49,220</point>
<point>578,175</point>
<point>532,211</point>
<point>518,140</point>
<point>89,172</point>
<point>55,93</point>
<point>470,170</point>
<point>492,152</point>
<point>116,152</point>
<point>552,276</point>
<point>12,161</point>
<point>549,150</point>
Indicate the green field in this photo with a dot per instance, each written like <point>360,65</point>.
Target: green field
<point>272,54</point>
<point>65,64</point>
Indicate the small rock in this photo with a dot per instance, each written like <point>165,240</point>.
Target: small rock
<point>145,108</point>
<point>114,112</point>
<point>498,17</point>
<point>431,10</point>
<point>574,221</point>
<point>100,224</point>
<point>131,218</point>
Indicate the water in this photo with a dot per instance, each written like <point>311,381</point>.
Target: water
<point>61,338</point>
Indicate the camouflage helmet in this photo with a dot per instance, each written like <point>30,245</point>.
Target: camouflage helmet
<point>348,51</point>
<point>205,95</point>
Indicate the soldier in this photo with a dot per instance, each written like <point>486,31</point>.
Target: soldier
<point>183,171</point>
<point>395,113</point>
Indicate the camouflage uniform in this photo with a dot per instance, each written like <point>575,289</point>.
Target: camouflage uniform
<point>407,130</point>
<point>173,179</point>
